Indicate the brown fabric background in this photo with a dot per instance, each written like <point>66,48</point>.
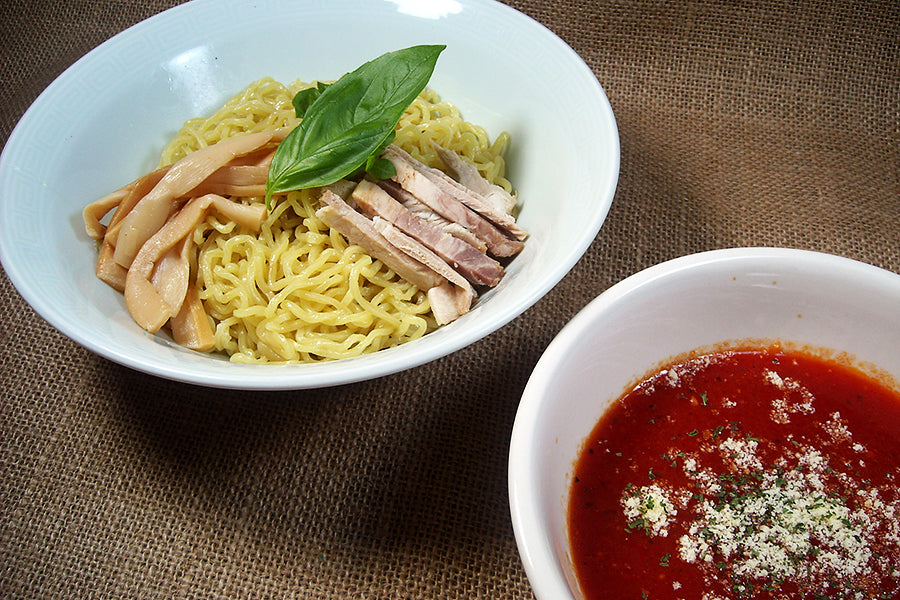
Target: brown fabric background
<point>742,123</point>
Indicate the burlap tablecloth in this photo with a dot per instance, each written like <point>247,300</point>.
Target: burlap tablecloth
<point>742,123</point>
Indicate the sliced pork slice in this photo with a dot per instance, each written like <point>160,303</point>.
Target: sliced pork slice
<point>357,228</point>
<point>424,211</point>
<point>414,249</point>
<point>343,188</point>
<point>448,302</point>
<point>453,189</point>
<point>414,180</point>
<point>476,267</point>
<point>468,175</point>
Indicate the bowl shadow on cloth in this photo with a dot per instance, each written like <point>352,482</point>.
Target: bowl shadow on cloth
<point>382,464</point>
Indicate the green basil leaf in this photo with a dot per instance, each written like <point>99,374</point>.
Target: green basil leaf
<point>304,98</point>
<point>351,120</point>
<point>381,168</point>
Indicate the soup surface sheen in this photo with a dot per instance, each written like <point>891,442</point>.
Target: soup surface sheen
<point>751,474</point>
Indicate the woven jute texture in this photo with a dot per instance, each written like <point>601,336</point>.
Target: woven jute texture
<point>741,123</point>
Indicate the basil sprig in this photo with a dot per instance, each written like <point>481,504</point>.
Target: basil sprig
<point>305,97</point>
<point>348,123</point>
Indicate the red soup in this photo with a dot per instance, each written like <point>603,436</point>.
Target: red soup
<point>757,474</point>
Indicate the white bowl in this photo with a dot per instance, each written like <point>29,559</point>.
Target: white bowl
<point>105,120</point>
<point>703,300</point>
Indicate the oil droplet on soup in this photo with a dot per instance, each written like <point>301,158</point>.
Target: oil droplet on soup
<point>746,474</point>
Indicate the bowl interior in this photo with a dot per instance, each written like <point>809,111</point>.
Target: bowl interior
<point>105,120</point>
<point>805,298</point>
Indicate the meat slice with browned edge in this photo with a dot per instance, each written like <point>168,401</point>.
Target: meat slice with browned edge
<point>476,267</point>
<point>358,229</point>
<point>437,193</point>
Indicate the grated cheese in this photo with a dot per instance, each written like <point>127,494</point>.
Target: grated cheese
<point>650,508</point>
<point>777,522</point>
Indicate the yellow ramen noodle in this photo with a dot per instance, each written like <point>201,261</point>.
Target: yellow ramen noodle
<point>296,291</point>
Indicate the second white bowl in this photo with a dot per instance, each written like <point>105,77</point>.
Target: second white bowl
<point>802,297</point>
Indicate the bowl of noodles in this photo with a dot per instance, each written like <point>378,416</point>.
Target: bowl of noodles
<point>294,301</point>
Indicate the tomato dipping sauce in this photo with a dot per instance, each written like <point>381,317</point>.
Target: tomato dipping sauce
<point>742,474</point>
